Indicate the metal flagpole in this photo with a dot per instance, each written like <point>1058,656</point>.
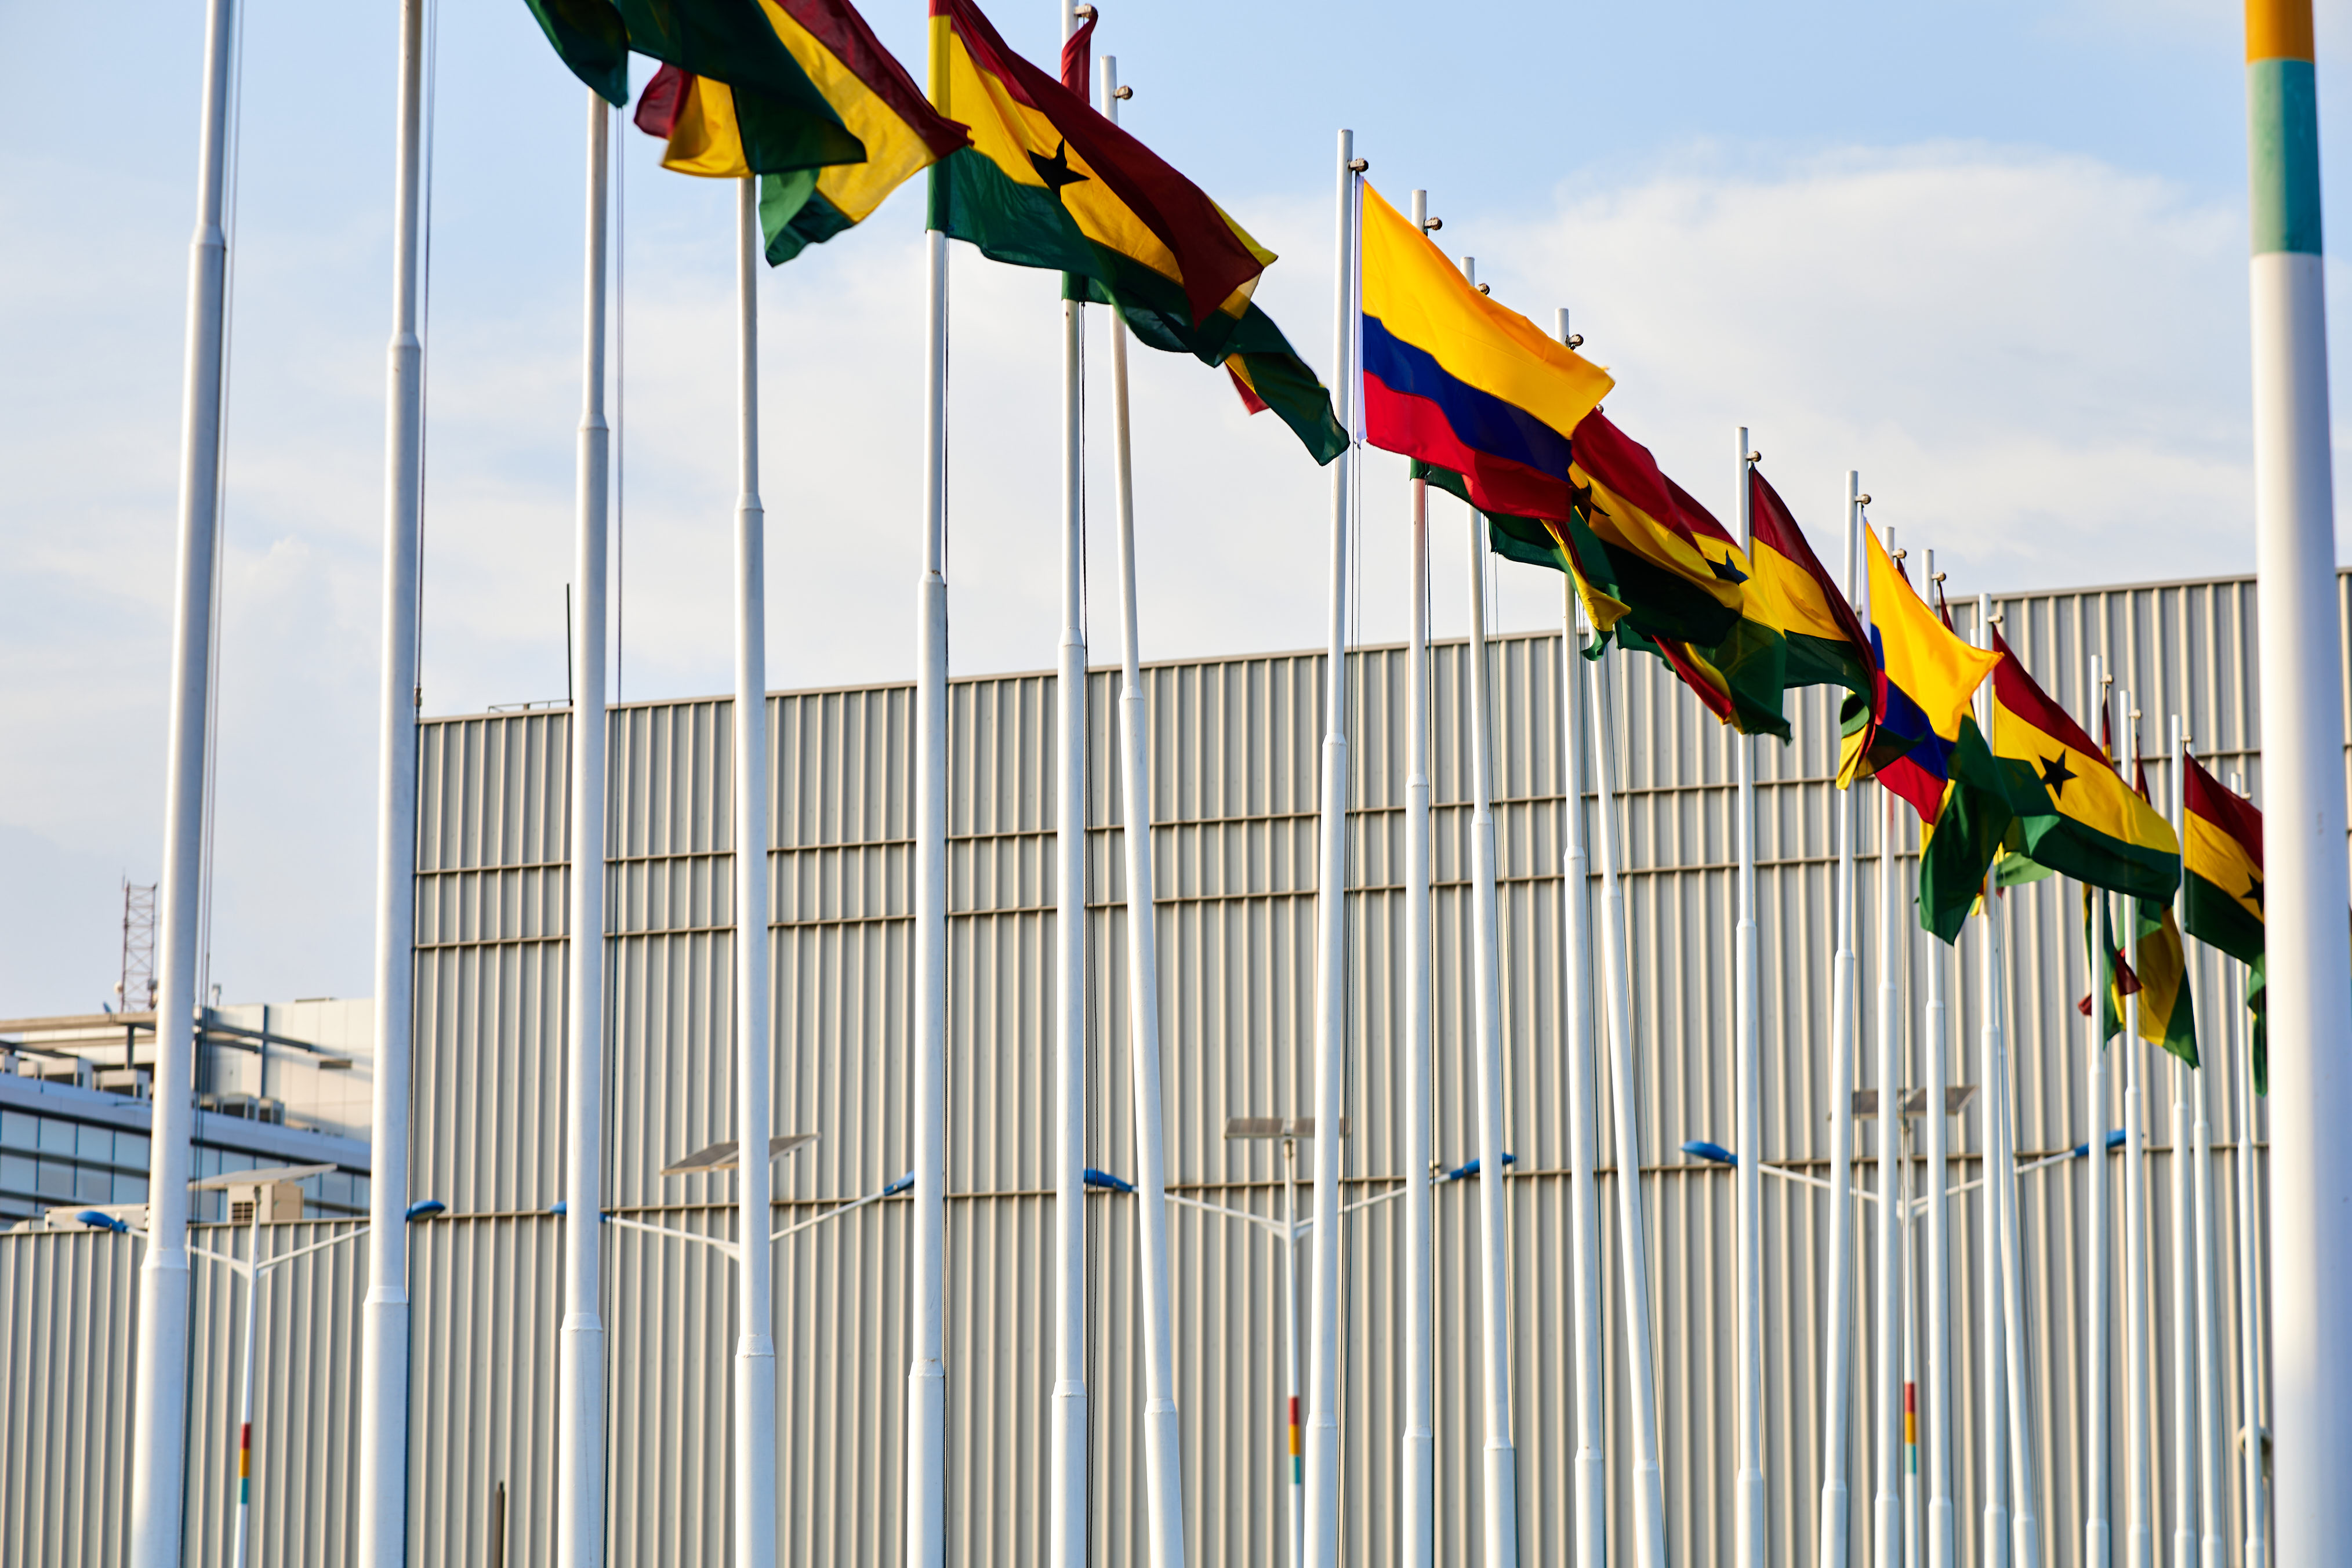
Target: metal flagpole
<point>2253,1465</point>
<point>2097,1459</point>
<point>580,1424</point>
<point>1845,1003</point>
<point>2211,1509</point>
<point>1290,1346</point>
<point>1632,1241</point>
<point>1500,1513</point>
<point>1068,1529</point>
<point>2138,1367</point>
<point>1332,925</point>
<point>2184,1318</point>
<point>2004,1268</point>
<point>383,1336</point>
<point>1993,1540</point>
<point>159,1427</point>
<point>2302,783</point>
<point>755,1345</point>
<point>1163,1474</point>
<point>1417,1456</point>
<point>1942,1546</point>
<point>1747,1073</point>
<point>1584,1200</point>
<point>253,1278</point>
<point>927,1399</point>
<point>1887,1392</point>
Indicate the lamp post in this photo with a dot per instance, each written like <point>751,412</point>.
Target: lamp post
<point>252,1269</point>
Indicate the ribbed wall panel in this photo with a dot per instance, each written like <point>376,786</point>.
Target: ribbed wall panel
<point>1235,745</point>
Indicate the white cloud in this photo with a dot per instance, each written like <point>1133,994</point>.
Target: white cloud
<point>2037,362</point>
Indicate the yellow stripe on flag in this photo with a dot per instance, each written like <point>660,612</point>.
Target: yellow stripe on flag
<point>2210,851</point>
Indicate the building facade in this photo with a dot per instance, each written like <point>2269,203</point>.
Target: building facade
<point>1236,746</point>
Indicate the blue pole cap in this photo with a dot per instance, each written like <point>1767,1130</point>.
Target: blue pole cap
<point>1715,1153</point>
<point>425,1209</point>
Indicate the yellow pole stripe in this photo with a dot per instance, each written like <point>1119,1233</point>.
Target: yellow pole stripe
<point>2278,30</point>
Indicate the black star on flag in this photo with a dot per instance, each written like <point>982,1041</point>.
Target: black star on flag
<point>2056,775</point>
<point>1055,171</point>
<point>2254,894</point>
<point>1726,571</point>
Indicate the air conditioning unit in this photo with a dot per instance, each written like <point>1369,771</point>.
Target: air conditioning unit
<point>264,1203</point>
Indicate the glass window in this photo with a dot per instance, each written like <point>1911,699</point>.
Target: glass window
<point>130,1189</point>
<point>131,1149</point>
<point>18,1131</point>
<point>92,1186</point>
<point>95,1145</point>
<point>55,1179</point>
<point>17,1173</point>
<point>56,1137</point>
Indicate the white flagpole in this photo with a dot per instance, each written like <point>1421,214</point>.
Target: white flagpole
<point>1584,1200</point>
<point>927,1399</point>
<point>580,1424</point>
<point>1993,1540</point>
<point>1584,1224</point>
<point>2139,1366</point>
<point>1886,1394</point>
<point>1331,924</point>
<point>1500,1514</point>
<point>1068,1520</point>
<point>755,1345</point>
<point>1747,1073</point>
<point>1845,1003</point>
<point>2302,697</point>
<point>158,1430</point>
<point>1942,1542</point>
<point>1068,1542</point>
<point>2255,1552</point>
<point>2212,1510</point>
<point>1632,1241</point>
<point>1163,1473</point>
<point>2005,1267</point>
<point>2184,1310</point>
<point>2097,1461</point>
<point>1417,1456</point>
<point>383,1523</point>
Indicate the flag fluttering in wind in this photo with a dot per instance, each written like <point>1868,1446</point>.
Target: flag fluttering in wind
<point>783,119</point>
<point>2121,981</point>
<point>864,84</point>
<point>1457,380</point>
<point>1927,675</point>
<point>2168,1016</point>
<point>2221,886</point>
<point>2039,787</point>
<point>1641,534</point>
<point>1049,183</point>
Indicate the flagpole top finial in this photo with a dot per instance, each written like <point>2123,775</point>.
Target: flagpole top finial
<point>1124,92</point>
<point>1359,165</point>
<point>1755,456</point>
<point>1083,13</point>
<point>1431,225</point>
<point>1576,339</point>
<point>1862,498</point>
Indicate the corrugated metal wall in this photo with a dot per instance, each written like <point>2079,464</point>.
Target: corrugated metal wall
<point>1235,745</point>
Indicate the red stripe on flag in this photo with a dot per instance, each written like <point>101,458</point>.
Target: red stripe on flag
<point>1399,422</point>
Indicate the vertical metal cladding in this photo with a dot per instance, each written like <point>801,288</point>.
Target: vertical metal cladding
<point>1234,749</point>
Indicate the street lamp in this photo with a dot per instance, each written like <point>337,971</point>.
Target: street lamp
<point>252,1269</point>
<point>1287,1231</point>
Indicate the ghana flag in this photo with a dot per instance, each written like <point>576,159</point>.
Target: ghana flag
<point>1049,183</point>
<point>1571,547</point>
<point>2221,886</point>
<point>1461,381</point>
<point>876,98</point>
<point>1647,545</point>
<point>783,119</point>
<point>2168,1016</point>
<point>2075,813</point>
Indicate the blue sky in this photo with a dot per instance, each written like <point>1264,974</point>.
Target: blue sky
<point>1991,254</point>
